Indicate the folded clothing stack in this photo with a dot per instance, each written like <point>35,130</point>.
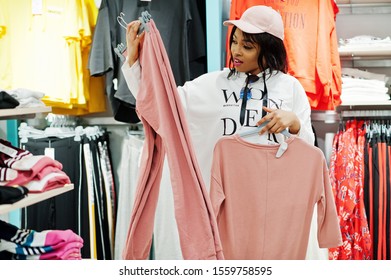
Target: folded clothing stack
<point>360,86</point>
<point>27,244</point>
<point>21,98</point>
<point>38,173</point>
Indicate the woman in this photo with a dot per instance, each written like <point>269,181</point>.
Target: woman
<point>216,104</point>
<point>213,102</point>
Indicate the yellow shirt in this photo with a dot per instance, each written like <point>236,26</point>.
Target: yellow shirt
<point>5,61</point>
<point>50,42</point>
<point>92,87</point>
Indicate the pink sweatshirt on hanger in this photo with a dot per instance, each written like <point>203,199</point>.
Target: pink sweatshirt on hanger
<point>166,131</point>
<point>264,204</point>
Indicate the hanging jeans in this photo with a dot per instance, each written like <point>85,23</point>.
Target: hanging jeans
<point>166,131</point>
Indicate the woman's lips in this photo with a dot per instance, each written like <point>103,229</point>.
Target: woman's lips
<point>237,62</point>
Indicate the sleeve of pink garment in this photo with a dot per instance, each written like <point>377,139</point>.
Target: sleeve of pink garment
<point>166,132</point>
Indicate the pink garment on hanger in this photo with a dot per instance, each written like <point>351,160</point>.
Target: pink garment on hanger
<point>264,204</point>
<point>166,131</point>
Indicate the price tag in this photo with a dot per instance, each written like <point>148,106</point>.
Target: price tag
<point>49,152</point>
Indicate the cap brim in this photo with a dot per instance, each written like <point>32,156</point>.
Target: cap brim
<point>244,26</point>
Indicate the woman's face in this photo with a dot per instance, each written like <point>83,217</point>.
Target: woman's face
<point>245,54</point>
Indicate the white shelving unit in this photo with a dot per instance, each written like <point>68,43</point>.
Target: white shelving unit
<point>364,6</point>
<point>355,18</point>
<point>371,18</point>
<point>366,51</point>
<point>365,17</point>
<point>19,113</point>
<point>366,56</point>
<point>31,198</point>
<point>367,110</point>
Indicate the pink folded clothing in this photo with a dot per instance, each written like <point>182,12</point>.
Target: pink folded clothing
<point>51,181</point>
<point>68,250</point>
<point>71,253</point>
<point>57,238</point>
<point>38,173</point>
<point>26,244</point>
<point>33,168</point>
<point>35,163</point>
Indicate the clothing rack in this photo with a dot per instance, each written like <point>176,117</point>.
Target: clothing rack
<point>363,141</point>
<point>85,155</point>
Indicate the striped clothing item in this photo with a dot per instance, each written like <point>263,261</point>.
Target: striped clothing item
<point>10,154</point>
<point>18,243</point>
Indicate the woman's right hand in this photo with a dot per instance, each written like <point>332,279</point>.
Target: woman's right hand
<point>133,41</point>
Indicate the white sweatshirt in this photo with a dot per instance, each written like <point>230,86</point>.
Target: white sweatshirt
<point>212,105</point>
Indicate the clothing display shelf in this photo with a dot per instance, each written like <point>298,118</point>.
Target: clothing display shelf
<point>326,116</point>
<point>365,110</point>
<point>364,6</point>
<point>368,52</point>
<point>20,113</point>
<point>31,198</point>
<point>365,56</point>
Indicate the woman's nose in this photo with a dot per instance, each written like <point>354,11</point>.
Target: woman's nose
<point>236,51</point>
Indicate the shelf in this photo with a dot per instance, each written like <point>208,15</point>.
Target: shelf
<point>33,198</point>
<point>23,112</point>
<point>366,51</point>
<point>366,56</point>
<point>365,110</point>
<point>103,121</point>
<point>364,7</point>
<point>368,2</point>
<point>328,116</point>
<point>386,105</point>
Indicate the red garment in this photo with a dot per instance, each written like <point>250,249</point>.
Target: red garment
<point>371,196</point>
<point>311,44</point>
<point>378,185</point>
<point>166,130</point>
<point>347,179</point>
<point>389,183</point>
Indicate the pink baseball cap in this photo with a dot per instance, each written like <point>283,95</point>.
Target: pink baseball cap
<point>259,19</point>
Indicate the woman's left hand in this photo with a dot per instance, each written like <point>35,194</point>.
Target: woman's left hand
<point>279,120</point>
<point>133,41</point>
